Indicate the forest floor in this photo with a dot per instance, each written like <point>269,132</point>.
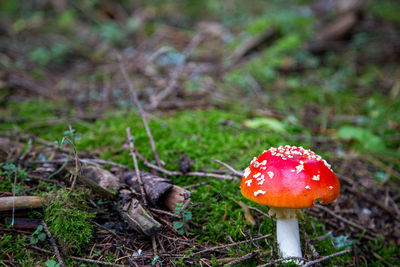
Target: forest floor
<point>214,81</point>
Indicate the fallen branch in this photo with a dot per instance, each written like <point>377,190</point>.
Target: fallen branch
<point>20,202</point>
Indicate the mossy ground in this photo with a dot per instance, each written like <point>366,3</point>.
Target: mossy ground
<point>334,106</point>
<point>203,136</point>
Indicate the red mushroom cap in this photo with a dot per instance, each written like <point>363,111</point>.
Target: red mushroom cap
<point>289,177</point>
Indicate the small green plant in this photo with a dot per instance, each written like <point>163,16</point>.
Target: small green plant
<point>57,53</point>
<point>7,175</point>
<point>52,263</point>
<point>38,235</point>
<point>156,260</point>
<point>70,137</point>
<point>185,216</point>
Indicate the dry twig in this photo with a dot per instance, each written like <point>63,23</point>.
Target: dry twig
<point>177,173</point>
<point>81,259</point>
<point>375,202</point>
<point>132,151</point>
<point>341,218</point>
<point>154,244</point>
<point>77,163</point>
<point>315,254</point>
<point>139,107</point>
<point>229,245</point>
<point>196,185</point>
<point>13,199</point>
<point>53,244</point>
<point>243,258</point>
<point>310,263</point>
<point>230,168</point>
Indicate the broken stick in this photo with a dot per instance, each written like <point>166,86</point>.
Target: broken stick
<point>20,202</point>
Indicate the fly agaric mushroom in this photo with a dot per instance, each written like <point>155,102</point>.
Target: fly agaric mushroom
<point>287,179</point>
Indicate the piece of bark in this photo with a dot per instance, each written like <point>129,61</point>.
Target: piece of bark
<point>154,185</point>
<point>102,177</point>
<point>99,180</point>
<point>139,218</point>
<point>24,223</point>
<point>20,202</point>
<point>176,195</point>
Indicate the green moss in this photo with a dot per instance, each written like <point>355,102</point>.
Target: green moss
<point>387,10</point>
<point>383,254</point>
<point>66,214</point>
<point>203,136</point>
<point>8,172</point>
<point>14,245</point>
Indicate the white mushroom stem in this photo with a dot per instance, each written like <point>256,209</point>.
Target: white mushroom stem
<point>287,231</point>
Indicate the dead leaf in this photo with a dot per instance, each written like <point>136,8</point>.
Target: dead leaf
<point>247,213</point>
